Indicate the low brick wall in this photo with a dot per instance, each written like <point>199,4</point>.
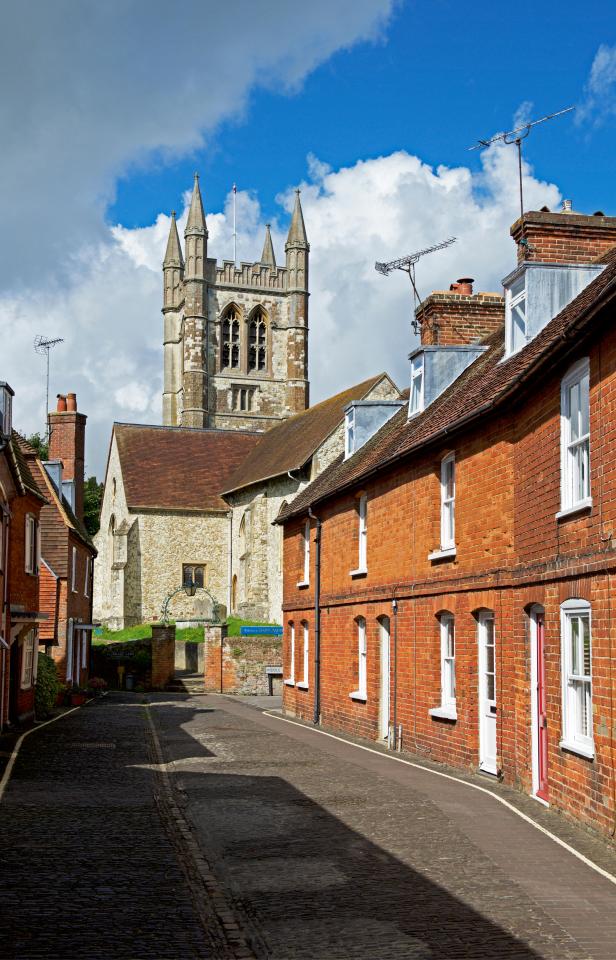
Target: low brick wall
<point>163,655</point>
<point>242,662</point>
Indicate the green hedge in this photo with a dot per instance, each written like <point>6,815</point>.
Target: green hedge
<point>47,686</point>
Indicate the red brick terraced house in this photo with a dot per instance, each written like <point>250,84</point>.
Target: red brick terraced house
<point>67,552</point>
<point>20,614</point>
<point>449,583</point>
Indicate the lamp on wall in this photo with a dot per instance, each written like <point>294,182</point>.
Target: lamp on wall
<point>6,413</point>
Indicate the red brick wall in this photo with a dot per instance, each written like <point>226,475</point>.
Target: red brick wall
<point>512,552</point>
<point>67,443</point>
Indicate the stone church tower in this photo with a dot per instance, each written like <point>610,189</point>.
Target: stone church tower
<point>235,337</point>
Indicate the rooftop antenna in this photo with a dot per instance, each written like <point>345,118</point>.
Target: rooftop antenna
<point>516,136</point>
<point>407,264</point>
<point>234,227</point>
<point>43,345</point>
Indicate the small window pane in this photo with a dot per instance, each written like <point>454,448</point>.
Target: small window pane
<point>490,686</point>
<point>575,639</point>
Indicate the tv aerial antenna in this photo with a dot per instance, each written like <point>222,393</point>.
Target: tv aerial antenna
<point>407,265</point>
<point>44,345</point>
<point>515,137</point>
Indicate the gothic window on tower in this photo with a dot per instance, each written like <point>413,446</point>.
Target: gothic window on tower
<point>257,342</point>
<point>243,398</point>
<point>230,356</point>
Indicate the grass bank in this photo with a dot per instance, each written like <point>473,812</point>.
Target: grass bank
<point>194,634</point>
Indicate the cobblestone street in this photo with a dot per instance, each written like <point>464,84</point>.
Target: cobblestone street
<point>202,827</point>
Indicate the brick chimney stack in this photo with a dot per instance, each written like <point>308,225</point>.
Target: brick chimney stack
<point>67,443</point>
<point>457,316</point>
<point>563,237</point>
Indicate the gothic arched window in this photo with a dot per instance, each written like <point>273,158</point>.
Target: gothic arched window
<point>230,356</point>
<point>257,342</point>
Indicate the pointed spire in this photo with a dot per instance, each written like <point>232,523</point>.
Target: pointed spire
<point>297,230</point>
<point>196,216</point>
<point>173,254</point>
<point>268,257</point>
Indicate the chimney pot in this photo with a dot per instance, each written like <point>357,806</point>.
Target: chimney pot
<point>71,402</point>
<point>61,406</point>
<point>463,286</point>
<point>566,206</point>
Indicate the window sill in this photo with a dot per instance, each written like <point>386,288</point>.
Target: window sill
<point>289,683</point>
<point>442,554</point>
<point>582,751</point>
<point>301,685</point>
<point>360,572</point>
<point>302,584</point>
<point>577,508</point>
<point>443,713</point>
<point>359,696</point>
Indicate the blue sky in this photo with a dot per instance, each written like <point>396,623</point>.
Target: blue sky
<point>369,105</point>
<point>443,74</point>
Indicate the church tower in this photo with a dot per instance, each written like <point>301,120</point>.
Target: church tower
<point>235,336</point>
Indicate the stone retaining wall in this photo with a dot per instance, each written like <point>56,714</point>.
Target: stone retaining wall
<point>242,662</point>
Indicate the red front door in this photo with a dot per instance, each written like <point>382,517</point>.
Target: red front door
<point>542,722</point>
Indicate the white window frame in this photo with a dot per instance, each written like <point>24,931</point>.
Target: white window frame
<point>27,660</point>
<point>362,662</point>
<point>576,685</point>
<point>290,681</point>
<point>303,683</point>
<point>305,581</point>
<point>74,571</point>
<point>416,396</point>
<point>448,503</point>
<point>86,584</point>
<point>570,501</point>
<point>349,433</point>
<point>362,544</point>
<point>511,303</point>
<point>84,649</point>
<point>32,545</point>
<point>447,629</point>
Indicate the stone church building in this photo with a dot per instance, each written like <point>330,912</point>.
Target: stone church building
<point>195,498</point>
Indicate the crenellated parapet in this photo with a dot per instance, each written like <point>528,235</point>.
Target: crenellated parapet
<point>253,275</point>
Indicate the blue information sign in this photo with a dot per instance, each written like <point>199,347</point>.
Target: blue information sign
<point>261,631</point>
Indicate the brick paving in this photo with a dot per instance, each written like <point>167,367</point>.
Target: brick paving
<point>330,852</point>
<point>87,868</point>
<point>229,833</point>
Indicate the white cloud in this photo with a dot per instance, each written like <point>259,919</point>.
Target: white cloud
<point>360,321</point>
<point>599,102</point>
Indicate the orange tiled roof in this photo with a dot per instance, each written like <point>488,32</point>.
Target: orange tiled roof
<point>179,468</point>
<point>290,444</point>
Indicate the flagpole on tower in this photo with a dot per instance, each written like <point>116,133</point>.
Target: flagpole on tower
<point>234,227</point>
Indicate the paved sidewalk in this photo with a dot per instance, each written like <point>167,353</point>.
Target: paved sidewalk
<point>332,852</point>
<point>87,869</point>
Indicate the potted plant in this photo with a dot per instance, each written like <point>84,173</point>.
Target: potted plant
<point>96,685</point>
<point>78,696</point>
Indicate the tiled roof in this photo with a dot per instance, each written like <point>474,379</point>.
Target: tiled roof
<point>487,383</point>
<point>179,468</point>
<point>20,449</point>
<point>290,444</point>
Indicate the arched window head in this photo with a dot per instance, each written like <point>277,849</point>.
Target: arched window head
<point>230,356</point>
<point>257,342</point>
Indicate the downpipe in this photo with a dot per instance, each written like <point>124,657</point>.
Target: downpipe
<point>317,619</point>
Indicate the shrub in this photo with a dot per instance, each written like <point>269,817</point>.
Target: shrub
<point>47,686</point>
<point>97,683</point>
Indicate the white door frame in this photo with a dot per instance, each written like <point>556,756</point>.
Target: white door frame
<point>487,764</point>
<point>385,660</point>
<point>535,611</point>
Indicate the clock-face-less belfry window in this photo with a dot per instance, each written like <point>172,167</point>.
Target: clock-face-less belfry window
<point>231,338</point>
<point>257,342</point>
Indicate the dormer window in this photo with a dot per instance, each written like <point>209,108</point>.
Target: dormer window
<point>416,401</point>
<point>536,292</point>
<point>515,316</point>
<point>349,433</point>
